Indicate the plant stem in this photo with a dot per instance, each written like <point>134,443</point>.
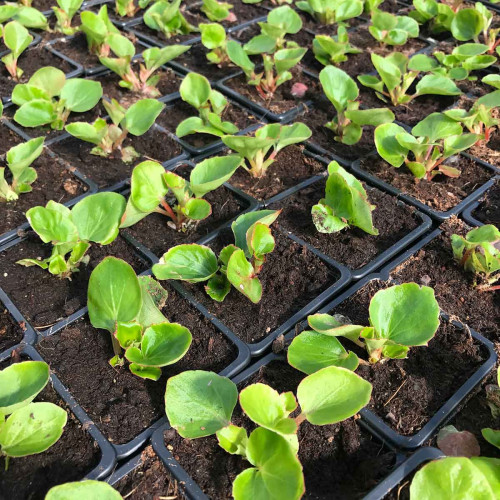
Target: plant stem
<point>300,418</point>
<point>117,349</point>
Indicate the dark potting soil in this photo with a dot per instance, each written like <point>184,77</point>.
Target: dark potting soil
<point>154,233</point>
<point>8,138</point>
<point>73,456</point>
<point>11,332</point>
<point>282,100</point>
<point>30,61</point>
<point>442,193</point>
<point>120,403</point>
<point>340,461</point>
<point>455,292</point>
<point>153,145</point>
<point>351,247</point>
<point>291,278</point>
<point>290,168</point>
<point>44,5</point>
<point>174,114</point>
<point>149,481</point>
<point>488,210</point>
<point>425,380</point>
<point>43,298</point>
<point>54,182</point>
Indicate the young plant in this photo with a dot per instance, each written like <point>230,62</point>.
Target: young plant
<point>479,253</point>
<point>218,11</point>
<point>342,91</point>
<point>328,50</point>
<point>401,317</point>
<point>195,89</point>
<point>166,17</point>
<point>345,203</point>
<point>64,13</point>
<point>273,2</point>
<point>96,219</point>
<point>392,30</point>
<point>108,138</point>
<point>150,184</point>
<point>27,16</point>
<point>143,82</point>
<point>200,404</point>
<point>17,39</point>
<point>18,159</point>
<point>238,264</point>
<point>331,11</point>
<point>397,73</point>
<point>438,15</point>
<point>48,98</point>
<point>213,37</point>
<point>128,8</point>
<point>27,428</point>
<point>259,152</point>
<point>97,28</point>
<point>83,489</point>
<point>432,141</point>
<point>129,307</point>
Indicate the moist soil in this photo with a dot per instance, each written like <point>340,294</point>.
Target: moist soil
<point>174,114</point>
<point>11,332</point>
<point>121,404</point>
<point>43,298</point>
<point>342,459</point>
<point>8,138</point>
<point>30,61</point>
<point>150,480</point>
<point>290,167</point>
<point>442,193</point>
<point>54,182</point>
<point>454,288</point>
<point>424,381</point>
<point>154,233</point>
<point>44,5</point>
<point>488,210</point>
<point>243,13</point>
<point>153,145</point>
<point>352,246</point>
<point>291,278</point>
<point>70,459</point>
<point>282,100</point>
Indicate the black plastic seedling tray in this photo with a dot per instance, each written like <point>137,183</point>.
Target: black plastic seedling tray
<point>108,455</point>
<point>467,214</point>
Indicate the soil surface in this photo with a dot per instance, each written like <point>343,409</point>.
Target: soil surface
<point>290,167</point>
<point>340,458</point>
<point>291,278</point>
<point>43,298</point>
<point>425,380</point>
<point>54,182</point>
<point>73,456</point>
<point>11,332</point>
<point>352,246</point>
<point>8,138</point>
<point>153,145</point>
<point>488,210</point>
<point>121,404</point>
<point>154,233</point>
<point>442,193</point>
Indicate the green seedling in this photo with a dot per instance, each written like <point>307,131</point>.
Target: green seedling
<point>27,16</point>
<point>273,2</point>
<point>328,50</point>
<point>48,98</point>
<point>213,37</point>
<point>96,219</point>
<point>238,264</point>
<point>200,404</point>
<point>108,138</point>
<point>218,11</point>
<point>396,73</point>
<point>432,141</point>
<point>19,159</point>
<point>17,39</point>
<point>64,12</point>
<point>129,8</point>
<point>331,11</point>
<point>401,317</point>
<point>166,17</point>
<point>342,91</point>
<point>345,204</point>
<point>145,81</point>
<point>151,187</point>
<point>438,15</point>
<point>392,30</point>
<point>479,253</point>
<point>259,152</point>
<point>83,489</point>
<point>97,28</point>
<point>493,400</point>
<point>129,307</point>
<point>372,5</point>
<point>27,428</point>
<point>195,89</point>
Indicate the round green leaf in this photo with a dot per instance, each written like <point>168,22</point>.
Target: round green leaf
<point>35,113</point>
<point>83,490</point>
<point>387,145</point>
<point>195,90</point>
<point>466,24</point>
<point>197,209</point>
<point>147,186</point>
<point>80,95</point>
<point>211,173</point>
<point>338,86</point>
<point>140,117</point>
<point>244,222</point>
<point>436,126</point>
<point>241,274</point>
<point>49,79</point>
<point>51,225</point>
